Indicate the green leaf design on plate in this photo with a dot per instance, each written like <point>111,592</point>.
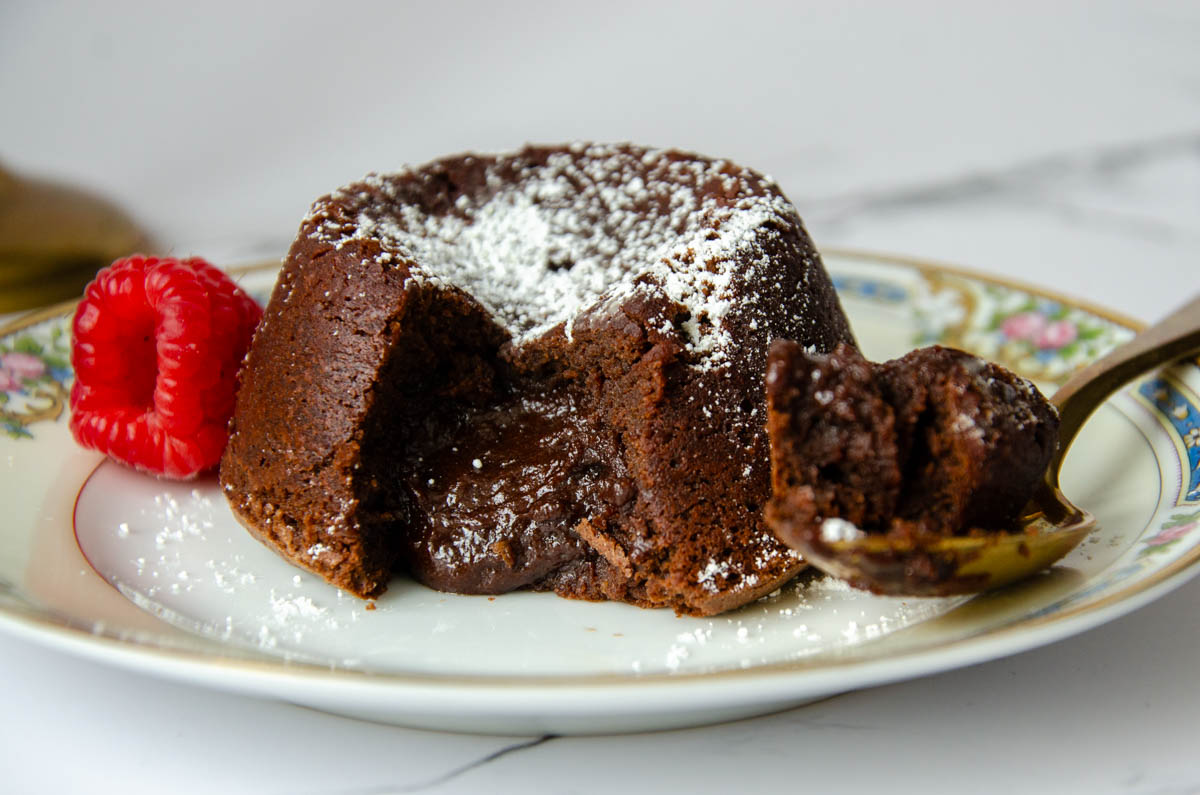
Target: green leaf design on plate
<point>27,345</point>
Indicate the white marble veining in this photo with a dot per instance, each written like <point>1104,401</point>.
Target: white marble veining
<point>1057,143</point>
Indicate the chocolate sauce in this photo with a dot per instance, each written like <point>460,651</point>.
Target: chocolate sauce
<point>497,493</point>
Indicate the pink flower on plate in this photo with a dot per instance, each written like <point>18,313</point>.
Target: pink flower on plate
<point>1056,335</point>
<point>1024,326</point>
<point>9,381</point>
<point>22,365</point>
<point>1170,534</point>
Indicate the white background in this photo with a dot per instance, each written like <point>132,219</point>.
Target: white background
<point>1058,143</point>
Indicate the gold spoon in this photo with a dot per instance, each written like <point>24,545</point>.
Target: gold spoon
<point>1050,526</point>
<point>54,238</point>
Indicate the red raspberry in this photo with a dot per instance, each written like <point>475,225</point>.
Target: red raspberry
<point>158,343</point>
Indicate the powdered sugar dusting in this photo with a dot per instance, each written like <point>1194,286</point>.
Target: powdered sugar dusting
<point>712,571</point>
<point>834,530</point>
<point>582,231</point>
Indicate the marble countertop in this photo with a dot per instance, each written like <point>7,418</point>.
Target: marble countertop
<point>1058,144</point>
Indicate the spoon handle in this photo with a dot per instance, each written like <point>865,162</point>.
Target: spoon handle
<point>1173,337</point>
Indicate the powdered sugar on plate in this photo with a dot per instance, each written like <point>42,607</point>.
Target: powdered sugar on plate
<point>243,595</point>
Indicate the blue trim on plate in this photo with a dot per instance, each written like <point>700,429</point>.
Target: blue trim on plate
<point>1184,417</point>
<point>873,289</point>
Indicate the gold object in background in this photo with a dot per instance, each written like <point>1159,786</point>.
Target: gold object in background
<point>54,238</point>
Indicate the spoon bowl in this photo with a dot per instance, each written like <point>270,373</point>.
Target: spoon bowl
<point>1049,527</point>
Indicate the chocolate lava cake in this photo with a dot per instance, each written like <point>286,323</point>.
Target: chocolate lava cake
<point>935,443</point>
<point>541,370</point>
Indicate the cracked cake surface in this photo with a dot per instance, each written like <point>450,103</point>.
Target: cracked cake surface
<point>537,370</point>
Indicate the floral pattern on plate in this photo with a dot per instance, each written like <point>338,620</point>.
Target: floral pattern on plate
<point>35,376</point>
<point>1037,336</point>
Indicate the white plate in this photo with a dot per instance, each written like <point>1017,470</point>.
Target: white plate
<point>196,599</point>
